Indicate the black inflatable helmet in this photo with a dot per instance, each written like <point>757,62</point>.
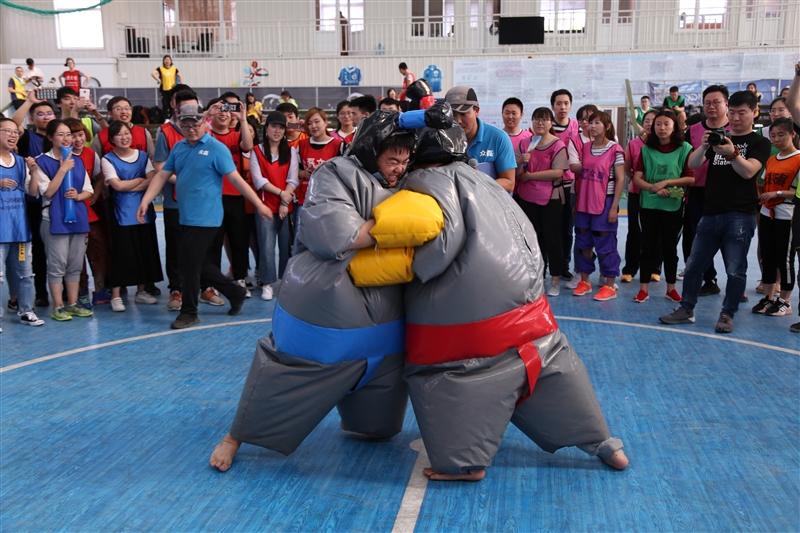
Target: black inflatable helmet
<point>441,146</point>
<point>419,94</point>
<point>372,131</point>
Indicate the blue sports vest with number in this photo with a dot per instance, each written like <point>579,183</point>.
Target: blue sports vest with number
<point>50,167</point>
<point>35,145</point>
<point>13,220</point>
<point>126,203</point>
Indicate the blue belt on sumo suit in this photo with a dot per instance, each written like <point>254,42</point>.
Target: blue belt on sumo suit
<point>329,345</point>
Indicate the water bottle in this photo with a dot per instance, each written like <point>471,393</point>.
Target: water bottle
<point>380,51</point>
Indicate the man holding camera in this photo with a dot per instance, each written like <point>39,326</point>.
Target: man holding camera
<point>715,108</point>
<point>729,212</point>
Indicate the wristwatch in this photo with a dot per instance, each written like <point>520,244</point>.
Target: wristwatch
<point>779,194</point>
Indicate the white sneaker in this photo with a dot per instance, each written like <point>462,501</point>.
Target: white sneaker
<point>680,275</point>
<point>266,292</point>
<point>243,284</point>
<point>554,289</point>
<point>31,319</point>
<point>602,280</point>
<point>116,305</point>
<point>573,283</point>
<point>145,298</point>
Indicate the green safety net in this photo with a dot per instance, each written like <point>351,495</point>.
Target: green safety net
<point>51,12</point>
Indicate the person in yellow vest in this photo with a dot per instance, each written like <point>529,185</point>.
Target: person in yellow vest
<point>167,76</point>
<point>16,86</point>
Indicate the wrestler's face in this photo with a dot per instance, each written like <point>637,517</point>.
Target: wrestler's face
<point>392,164</point>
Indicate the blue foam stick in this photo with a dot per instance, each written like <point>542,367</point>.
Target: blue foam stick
<point>69,203</point>
<point>412,120</point>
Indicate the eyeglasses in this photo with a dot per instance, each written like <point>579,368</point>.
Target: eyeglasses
<point>11,133</point>
<point>45,115</point>
<point>120,109</point>
<point>63,135</point>
<point>194,126</point>
<point>777,110</point>
<point>713,103</point>
<point>541,120</point>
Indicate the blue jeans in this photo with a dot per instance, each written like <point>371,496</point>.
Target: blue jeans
<point>269,232</point>
<point>731,233</point>
<point>21,273</point>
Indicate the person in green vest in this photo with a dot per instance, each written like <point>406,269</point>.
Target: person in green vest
<point>662,172</point>
<point>677,104</point>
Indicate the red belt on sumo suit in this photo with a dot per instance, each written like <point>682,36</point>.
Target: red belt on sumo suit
<point>518,328</point>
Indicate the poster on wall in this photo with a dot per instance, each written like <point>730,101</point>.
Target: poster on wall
<point>350,76</point>
<point>253,75</point>
<point>433,75</point>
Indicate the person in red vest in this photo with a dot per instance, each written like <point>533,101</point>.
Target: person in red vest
<point>274,171</point>
<point>233,219</point>
<point>72,78</point>
<point>119,108</point>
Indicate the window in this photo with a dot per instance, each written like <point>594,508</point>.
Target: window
<point>564,16</point>
<point>71,28</point>
<point>772,8</point>
<point>703,14</point>
<point>201,21</point>
<point>350,14</point>
<point>433,18</point>
<point>624,11</point>
<point>491,12</point>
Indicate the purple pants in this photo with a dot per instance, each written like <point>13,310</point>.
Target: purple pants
<point>605,246</point>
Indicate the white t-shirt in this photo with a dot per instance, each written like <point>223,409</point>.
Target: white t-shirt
<point>28,76</point>
<point>44,182</point>
<point>10,164</point>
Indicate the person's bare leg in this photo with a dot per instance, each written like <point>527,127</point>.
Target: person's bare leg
<point>72,291</point>
<point>618,460</point>
<point>222,456</point>
<point>56,292</point>
<point>476,476</point>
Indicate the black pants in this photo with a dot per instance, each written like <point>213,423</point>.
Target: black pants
<point>666,226</point>
<point>39,258</point>
<point>546,221</point>
<point>166,100</point>
<point>172,236</point>
<point>197,269</point>
<point>694,212</point>
<point>251,236</point>
<point>776,253</point>
<point>233,223</point>
<point>633,241</point>
<point>567,228</point>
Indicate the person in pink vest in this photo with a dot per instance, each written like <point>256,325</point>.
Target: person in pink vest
<point>599,189</point>
<point>568,131</point>
<point>540,190</point>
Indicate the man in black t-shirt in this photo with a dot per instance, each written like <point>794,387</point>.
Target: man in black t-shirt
<point>793,103</point>
<point>729,214</point>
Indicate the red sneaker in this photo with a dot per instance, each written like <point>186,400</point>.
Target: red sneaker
<point>674,296</point>
<point>605,293</point>
<point>582,289</point>
<point>641,297</point>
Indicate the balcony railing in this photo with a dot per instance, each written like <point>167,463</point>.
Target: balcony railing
<point>567,32</point>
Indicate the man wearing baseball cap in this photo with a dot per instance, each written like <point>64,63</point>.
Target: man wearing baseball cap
<point>488,145</point>
<point>200,161</point>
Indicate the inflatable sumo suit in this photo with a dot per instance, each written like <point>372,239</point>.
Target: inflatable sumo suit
<point>483,347</point>
<point>420,95</point>
<point>332,344</point>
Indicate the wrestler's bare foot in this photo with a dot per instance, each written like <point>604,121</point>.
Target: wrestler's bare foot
<point>477,476</point>
<point>222,456</point>
<point>618,460</point>
<point>370,435</point>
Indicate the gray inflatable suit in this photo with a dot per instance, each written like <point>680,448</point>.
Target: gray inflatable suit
<point>479,328</point>
<point>332,344</point>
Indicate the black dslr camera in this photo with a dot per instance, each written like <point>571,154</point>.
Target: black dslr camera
<point>716,136</point>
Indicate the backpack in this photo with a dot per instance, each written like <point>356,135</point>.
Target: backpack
<point>136,115</point>
<point>156,115</point>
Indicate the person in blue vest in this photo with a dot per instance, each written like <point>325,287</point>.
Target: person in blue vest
<point>15,233</point>
<point>65,217</point>
<point>488,145</point>
<point>128,173</point>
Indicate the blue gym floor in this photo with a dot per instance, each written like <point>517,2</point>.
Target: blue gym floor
<point>108,423</point>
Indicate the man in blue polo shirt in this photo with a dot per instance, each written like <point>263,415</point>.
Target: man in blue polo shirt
<point>488,145</point>
<point>200,161</point>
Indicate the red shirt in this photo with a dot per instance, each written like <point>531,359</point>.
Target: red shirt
<point>72,79</point>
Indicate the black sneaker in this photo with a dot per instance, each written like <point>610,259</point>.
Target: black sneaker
<point>236,304</point>
<point>795,328</point>
<point>13,306</point>
<point>679,316</point>
<point>185,321</point>
<point>762,305</point>
<point>725,323</point>
<point>709,288</point>
<point>779,307</point>
<point>567,275</point>
<point>152,290</point>
<point>42,302</point>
